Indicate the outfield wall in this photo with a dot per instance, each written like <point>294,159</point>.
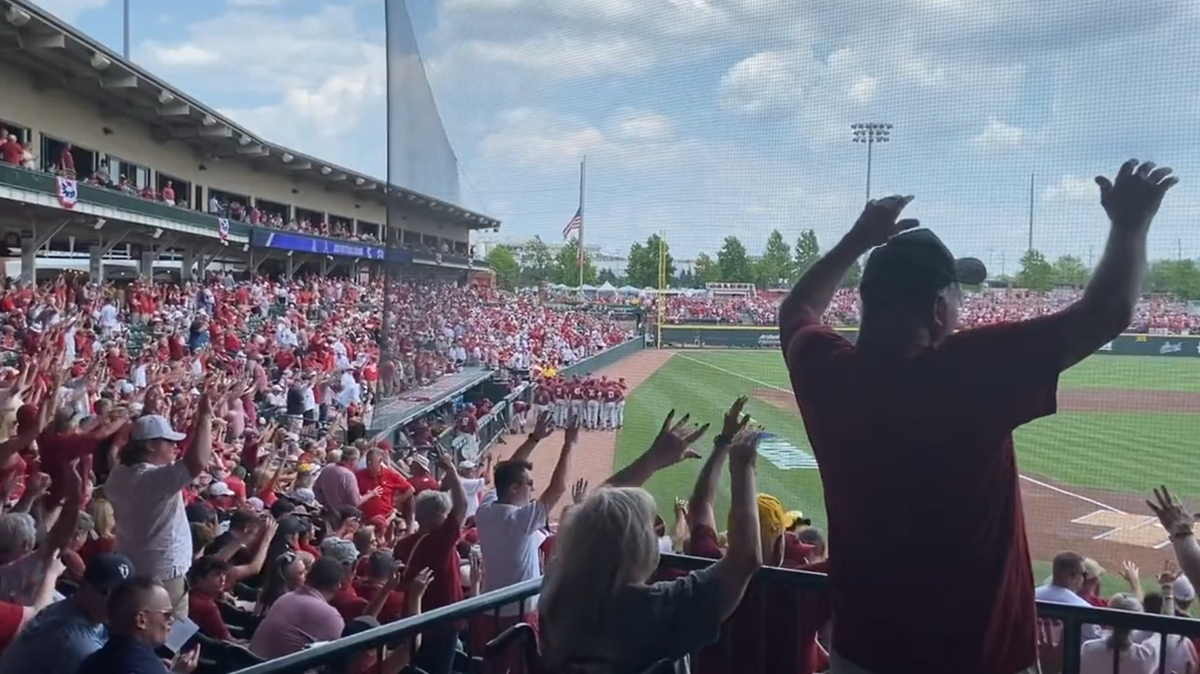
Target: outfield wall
<point>767,337</point>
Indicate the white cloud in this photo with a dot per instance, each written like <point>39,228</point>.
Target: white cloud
<point>1073,188</point>
<point>999,134</point>
<point>184,55</point>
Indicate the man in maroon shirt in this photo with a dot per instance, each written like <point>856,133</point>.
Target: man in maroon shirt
<point>918,419</point>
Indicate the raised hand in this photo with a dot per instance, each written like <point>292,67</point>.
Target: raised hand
<point>1169,574</point>
<point>419,582</point>
<point>1131,573</point>
<point>880,221</point>
<point>744,448</point>
<point>1132,200</point>
<point>735,421</point>
<point>543,427</point>
<point>571,435</point>
<point>1171,513</point>
<point>579,491</point>
<point>674,441</point>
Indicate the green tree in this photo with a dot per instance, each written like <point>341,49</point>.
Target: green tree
<point>1071,271</point>
<point>537,262</point>
<point>733,262</point>
<point>808,251</point>
<point>706,270</point>
<point>566,266</point>
<point>607,275</point>
<point>504,263</point>
<point>853,275</point>
<point>776,265</point>
<point>1180,278</point>
<point>642,267</point>
<point>1036,273</point>
<point>686,278</point>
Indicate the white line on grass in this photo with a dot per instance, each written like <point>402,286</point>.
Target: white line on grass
<point>1030,480</point>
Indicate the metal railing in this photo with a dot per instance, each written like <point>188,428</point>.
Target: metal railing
<point>488,606</point>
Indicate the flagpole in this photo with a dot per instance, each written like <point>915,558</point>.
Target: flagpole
<point>582,187</point>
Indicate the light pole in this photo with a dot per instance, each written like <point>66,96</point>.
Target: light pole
<point>871,133</point>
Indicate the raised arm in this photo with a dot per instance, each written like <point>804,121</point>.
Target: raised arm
<point>554,491</point>
<point>743,557</point>
<point>672,445</point>
<point>541,430</point>
<point>453,484</point>
<point>1106,308</point>
<point>1178,523</point>
<point>704,493</point>
<point>811,295</point>
<point>200,450</point>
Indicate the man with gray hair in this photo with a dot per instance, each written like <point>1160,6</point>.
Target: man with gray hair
<point>24,563</point>
<point>439,516</point>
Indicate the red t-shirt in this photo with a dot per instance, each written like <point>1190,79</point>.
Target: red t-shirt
<point>94,546</point>
<point>348,603</point>
<point>57,450</point>
<point>424,482</point>
<point>203,610</point>
<point>10,623</point>
<point>390,484</point>
<point>393,606</point>
<point>436,549</point>
<point>778,636</point>
<point>938,447</point>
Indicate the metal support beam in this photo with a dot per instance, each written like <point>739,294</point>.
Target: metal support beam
<point>175,110</point>
<point>253,150</point>
<point>55,41</point>
<point>300,166</point>
<point>40,241</point>
<point>216,132</point>
<point>119,82</point>
<point>108,247</point>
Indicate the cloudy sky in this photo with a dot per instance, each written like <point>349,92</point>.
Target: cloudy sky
<point>704,118</point>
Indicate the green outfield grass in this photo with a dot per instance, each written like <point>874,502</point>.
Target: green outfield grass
<point>1113,450</point>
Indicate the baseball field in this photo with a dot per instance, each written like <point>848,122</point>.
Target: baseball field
<point>1125,424</point>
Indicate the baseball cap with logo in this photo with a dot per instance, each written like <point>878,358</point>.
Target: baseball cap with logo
<point>915,263</point>
<point>154,427</point>
<point>106,570</point>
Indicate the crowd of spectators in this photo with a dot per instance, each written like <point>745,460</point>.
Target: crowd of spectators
<point>1157,315</point>
<point>179,451</point>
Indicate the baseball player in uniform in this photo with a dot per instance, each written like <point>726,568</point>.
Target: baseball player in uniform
<point>592,391</point>
<point>608,416</point>
<point>577,399</point>
<point>621,388</point>
<point>562,403</point>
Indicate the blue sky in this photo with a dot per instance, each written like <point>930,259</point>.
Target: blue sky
<point>704,118</point>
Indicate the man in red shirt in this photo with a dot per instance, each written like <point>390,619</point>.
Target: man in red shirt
<point>918,419</point>
<point>389,486</point>
<point>439,517</point>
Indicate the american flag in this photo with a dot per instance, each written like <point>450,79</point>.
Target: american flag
<point>574,225</point>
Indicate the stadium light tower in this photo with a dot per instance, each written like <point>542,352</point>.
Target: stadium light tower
<point>871,133</point>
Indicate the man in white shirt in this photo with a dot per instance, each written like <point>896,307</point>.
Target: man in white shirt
<point>508,527</point>
<point>1066,579</point>
<point>473,485</point>
<point>146,492</point>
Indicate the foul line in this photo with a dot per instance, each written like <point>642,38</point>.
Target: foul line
<point>1030,480</point>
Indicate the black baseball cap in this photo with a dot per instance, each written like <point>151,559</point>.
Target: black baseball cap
<point>106,570</point>
<point>915,263</point>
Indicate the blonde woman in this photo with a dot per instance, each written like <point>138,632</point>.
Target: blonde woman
<point>1119,651</point>
<point>598,613</point>
<point>104,530</point>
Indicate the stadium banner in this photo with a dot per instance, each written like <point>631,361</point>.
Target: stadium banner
<point>767,337</point>
<point>316,245</point>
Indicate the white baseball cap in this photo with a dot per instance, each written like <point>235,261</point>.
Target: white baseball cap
<point>154,427</point>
